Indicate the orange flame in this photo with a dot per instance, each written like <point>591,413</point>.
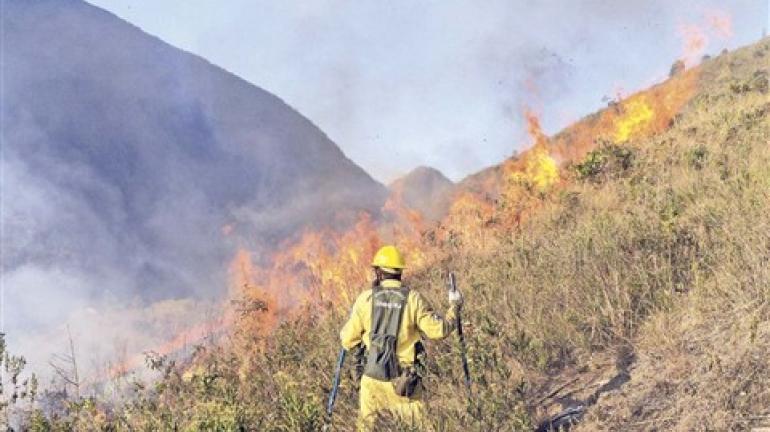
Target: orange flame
<point>640,115</point>
<point>322,269</point>
<point>327,268</point>
<point>541,170</point>
<point>468,221</point>
<point>637,116</point>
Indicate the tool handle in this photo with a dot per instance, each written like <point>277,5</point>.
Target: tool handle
<point>336,382</point>
<point>461,336</point>
<point>452,282</point>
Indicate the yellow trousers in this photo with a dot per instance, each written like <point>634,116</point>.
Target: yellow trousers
<point>379,398</point>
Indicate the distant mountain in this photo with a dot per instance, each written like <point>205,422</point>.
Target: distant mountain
<point>426,190</point>
<point>134,169</point>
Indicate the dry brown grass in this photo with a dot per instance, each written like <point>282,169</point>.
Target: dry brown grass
<point>642,287</point>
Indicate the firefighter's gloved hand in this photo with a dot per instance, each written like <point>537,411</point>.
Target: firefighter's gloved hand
<point>455,298</point>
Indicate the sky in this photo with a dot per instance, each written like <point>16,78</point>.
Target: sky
<point>405,83</point>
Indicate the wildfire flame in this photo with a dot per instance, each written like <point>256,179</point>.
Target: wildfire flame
<point>535,169</point>
<point>323,268</point>
<point>637,115</point>
<point>326,269</point>
<point>542,170</point>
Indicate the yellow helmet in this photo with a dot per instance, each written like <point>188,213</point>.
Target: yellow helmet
<point>388,257</point>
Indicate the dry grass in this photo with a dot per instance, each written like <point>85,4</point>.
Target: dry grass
<point>643,287</point>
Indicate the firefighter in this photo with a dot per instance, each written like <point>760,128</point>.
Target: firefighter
<point>388,320</point>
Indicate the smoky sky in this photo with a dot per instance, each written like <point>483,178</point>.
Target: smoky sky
<point>123,160</point>
<point>442,83</point>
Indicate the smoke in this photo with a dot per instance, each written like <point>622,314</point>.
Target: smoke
<point>443,83</point>
<point>123,160</point>
<point>694,43</point>
<point>721,22</point>
<point>73,258</point>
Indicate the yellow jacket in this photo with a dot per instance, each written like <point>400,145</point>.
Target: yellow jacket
<point>418,317</point>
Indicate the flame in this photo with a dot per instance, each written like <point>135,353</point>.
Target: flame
<point>396,207</point>
<point>468,203</point>
<point>540,170</point>
<point>664,101</point>
<point>469,211</point>
<point>469,223</point>
<point>534,129</point>
<point>406,226</point>
<point>325,269</point>
<point>638,115</point>
<point>321,269</point>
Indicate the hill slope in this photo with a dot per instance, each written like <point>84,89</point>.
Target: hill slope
<point>425,190</point>
<point>631,278</point>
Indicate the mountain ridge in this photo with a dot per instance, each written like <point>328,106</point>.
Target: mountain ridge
<point>195,124</point>
<point>426,190</point>
<point>134,171</point>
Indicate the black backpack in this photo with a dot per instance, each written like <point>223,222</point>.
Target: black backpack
<point>388,306</point>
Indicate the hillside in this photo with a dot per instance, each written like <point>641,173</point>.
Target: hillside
<point>621,265</point>
<point>133,169</point>
<point>425,190</point>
